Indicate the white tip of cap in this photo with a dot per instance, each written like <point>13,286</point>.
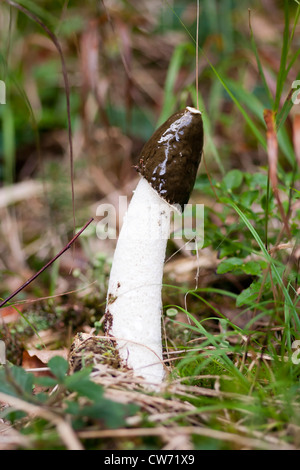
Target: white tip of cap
<point>193,110</point>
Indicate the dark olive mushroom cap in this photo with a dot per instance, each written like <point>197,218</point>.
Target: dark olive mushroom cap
<point>169,160</point>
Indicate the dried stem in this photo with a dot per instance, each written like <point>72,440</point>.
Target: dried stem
<point>46,265</point>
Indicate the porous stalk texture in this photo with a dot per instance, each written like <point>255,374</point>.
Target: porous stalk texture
<point>133,312</point>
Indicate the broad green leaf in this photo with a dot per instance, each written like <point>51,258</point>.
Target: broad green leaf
<point>233,179</point>
<point>252,267</point>
<point>59,367</point>
<point>112,413</point>
<point>15,380</point>
<point>81,383</point>
<point>248,296</point>
<point>45,381</point>
<point>229,264</point>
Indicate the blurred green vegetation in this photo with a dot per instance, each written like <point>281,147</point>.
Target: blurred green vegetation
<point>135,39</point>
<point>130,64</point>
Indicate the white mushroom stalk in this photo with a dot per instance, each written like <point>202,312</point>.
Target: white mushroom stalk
<point>134,292</point>
<point>168,166</point>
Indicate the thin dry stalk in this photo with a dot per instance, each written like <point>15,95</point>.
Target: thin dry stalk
<point>162,431</point>
<point>64,430</point>
<point>272,147</point>
<point>10,438</point>
<point>296,137</point>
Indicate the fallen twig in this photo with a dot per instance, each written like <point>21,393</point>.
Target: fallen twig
<point>46,265</point>
<point>162,431</point>
<point>65,431</point>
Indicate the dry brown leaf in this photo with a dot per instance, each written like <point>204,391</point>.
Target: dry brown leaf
<point>9,314</point>
<point>38,359</point>
<point>10,439</point>
<point>272,146</point>
<point>272,149</point>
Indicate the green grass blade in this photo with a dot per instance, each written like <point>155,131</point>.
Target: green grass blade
<point>289,303</point>
<point>284,55</point>
<point>209,142</point>
<point>247,118</point>
<point>169,96</point>
<point>297,16</point>
<point>42,13</point>
<point>287,106</point>
<point>256,107</point>
<point>221,353</point>
<point>259,65</point>
<point>26,321</point>
<point>9,149</point>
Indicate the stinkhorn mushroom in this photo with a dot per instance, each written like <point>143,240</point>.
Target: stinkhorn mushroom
<point>168,166</point>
